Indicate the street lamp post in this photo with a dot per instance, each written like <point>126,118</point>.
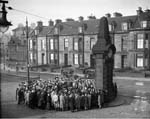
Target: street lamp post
<point>4,24</point>
<point>28,66</point>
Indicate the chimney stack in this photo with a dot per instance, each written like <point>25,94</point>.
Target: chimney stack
<point>57,21</point>
<point>139,11</point>
<point>91,17</point>
<point>69,19</point>
<point>81,18</point>
<point>108,15</point>
<point>147,10</point>
<point>51,23</point>
<point>116,14</point>
<point>40,25</point>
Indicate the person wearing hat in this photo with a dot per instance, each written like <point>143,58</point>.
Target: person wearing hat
<point>48,100</point>
<point>89,99</point>
<point>71,101</point>
<point>85,101</point>
<point>77,101</point>
<point>62,101</point>
<point>20,94</point>
<point>66,101</point>
<point>31,99</point>
<point>99,99</point>
<point>27,92</point>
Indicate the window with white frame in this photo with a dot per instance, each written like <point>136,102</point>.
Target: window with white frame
<point>34,57</point>
<point>111,27</point>
<point>36,32</point>
<point>80,29</point>
<point>124,26</point>
<point>66,43</point>
<point>31,44</point>
<point>80,44</point>
<point>124,61</point>
<point>140,41</point>
<point>42,44</point>
<point>31,56</point>
<point>56,30</point>
<point>92,42</point>
<point>146,40</point>
<point>76,59</point>
<point>56,58</point>
<point>81,59</point>
<point>143,24</point>
<point>52,44</point>
<point>124,43</point>
<point>75,44</point>
<point>140,60</point>
<point>52,56</point>
<point>56,44</point>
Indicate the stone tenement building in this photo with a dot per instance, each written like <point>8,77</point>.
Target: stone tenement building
<point>70,42</point>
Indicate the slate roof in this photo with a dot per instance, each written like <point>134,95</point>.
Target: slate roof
<point>44,31</point>
<point>71,27</point>
<point>22,29</point>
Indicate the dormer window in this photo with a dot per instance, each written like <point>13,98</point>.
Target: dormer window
<point>56,31</point>
<point>111,27</point>
<point>143,24</point>
<point>124,26</point>
<point>80,29</point>
<point>36,32</point>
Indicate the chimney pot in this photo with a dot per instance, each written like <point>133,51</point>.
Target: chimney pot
<point>108,15</point>
<point>51,23</point>
<point>139,11</point>
<point>40,23</point>
<point>91,17</point>
<point>81,18</point>
<point>116,14</point>
<point>69,19</point>
<point>57,21</point>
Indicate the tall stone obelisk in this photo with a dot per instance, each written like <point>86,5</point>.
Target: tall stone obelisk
<point>104,51</point>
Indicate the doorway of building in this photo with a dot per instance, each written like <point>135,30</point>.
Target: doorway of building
<point>65,59</point>
<point>42,58</point>
<point>92,61</point>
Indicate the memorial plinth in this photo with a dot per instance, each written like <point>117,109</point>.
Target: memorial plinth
<point>103,52</point>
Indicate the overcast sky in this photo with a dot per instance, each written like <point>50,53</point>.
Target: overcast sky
<point>62,9</point>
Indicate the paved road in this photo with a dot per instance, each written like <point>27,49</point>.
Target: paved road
<point>125,87</point>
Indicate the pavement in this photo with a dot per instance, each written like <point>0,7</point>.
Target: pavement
<point>121,107</point>
<point>82,75</point>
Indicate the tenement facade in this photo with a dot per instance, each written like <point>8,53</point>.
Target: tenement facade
<point>71,42</point>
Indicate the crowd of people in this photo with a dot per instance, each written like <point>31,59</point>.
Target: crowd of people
<point>62,94</point>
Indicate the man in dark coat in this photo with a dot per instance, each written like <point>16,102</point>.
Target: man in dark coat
<point>32,99</point>
<point>71,101</point>
<point>20,93</point>
<point>77,101</point>
<point>66,99</point>
<point>85,101</point>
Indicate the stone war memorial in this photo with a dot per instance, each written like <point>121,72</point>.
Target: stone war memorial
<point>103,53</point>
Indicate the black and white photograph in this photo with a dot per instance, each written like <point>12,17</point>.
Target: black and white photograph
<point>75,59</point>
